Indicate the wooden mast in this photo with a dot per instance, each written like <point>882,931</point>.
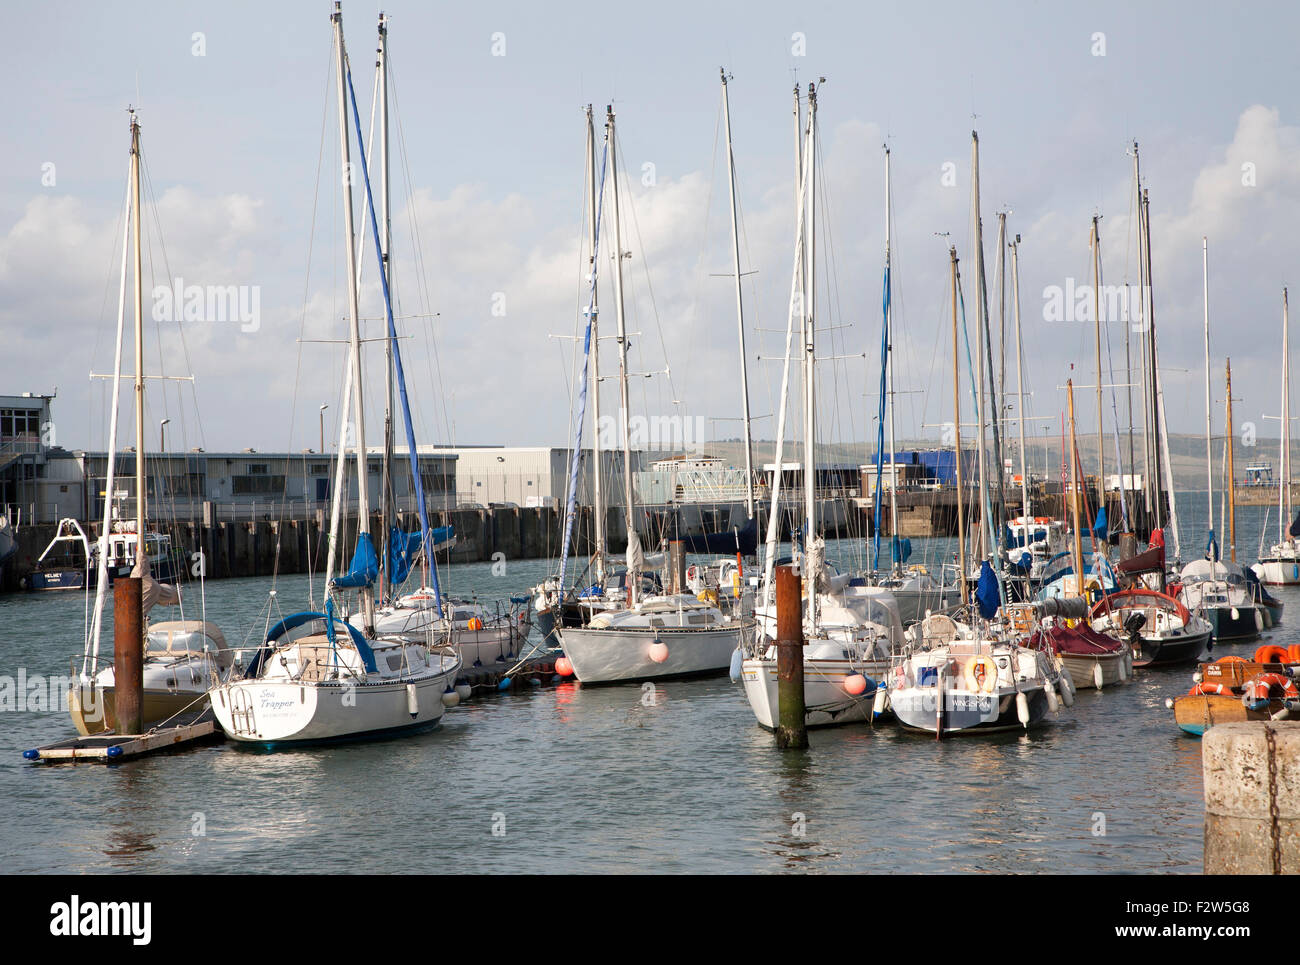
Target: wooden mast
<point>1232,477</point>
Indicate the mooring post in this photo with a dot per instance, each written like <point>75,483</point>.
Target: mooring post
<point>677,566</point>
<point>1251,773</point>
<point>128,655</point>
<point>791,730</point>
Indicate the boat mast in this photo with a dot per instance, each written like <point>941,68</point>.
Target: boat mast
<point>1077,543</point>
<point>140,496</point>
<point>1026,514</point>
<point>1094,242</point>
<point>1284,460</point>
<point>90,661</point>
<point>889,365</point>
<point>740,305</point>
<point>386,508</point>
<point>593,229</point>
<point>810,357</point>
<point>1209,459</point>
<point>1232,477</point>
<point>358,408</point>
<point>632,537</point>
<point>1140,217</point>
<point>1153,373</point>
<point>956,412</point>
<point>795,309</point>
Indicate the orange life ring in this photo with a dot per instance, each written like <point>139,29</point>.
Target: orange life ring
<point>981,674</point>
<point>1232,659</point>
<point>1204,690</point>
<point>1271,653</point>
<point>1293,653</point>
<point>1261,688</point>
<point>474,624</point>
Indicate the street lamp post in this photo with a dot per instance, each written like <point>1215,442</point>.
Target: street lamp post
<point>323,407</point>
<point>162,435</point>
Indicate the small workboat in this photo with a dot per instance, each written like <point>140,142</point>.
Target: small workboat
<point>1232,689</point>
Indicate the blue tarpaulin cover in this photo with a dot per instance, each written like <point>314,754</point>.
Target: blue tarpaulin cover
<point>986,592</point>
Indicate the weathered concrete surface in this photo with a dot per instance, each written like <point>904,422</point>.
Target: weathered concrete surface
<point>1238,828</point>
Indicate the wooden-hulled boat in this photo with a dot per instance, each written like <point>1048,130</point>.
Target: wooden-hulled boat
<point>1093,659</point>
<point>1232,689</point>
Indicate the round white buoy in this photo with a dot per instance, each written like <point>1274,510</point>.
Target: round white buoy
<point>658,652</point>
<point>412,700</point>
<point>1022,709</point>
<point>450,698</point>
<point>1169,703</point>
<point>1123,669</point>
<point>463,691</point>
<point>1259,620</point>
<point>1097,675</point>
<point>1236,614</point>
<point>1052,703</point>
<point>737,662</point>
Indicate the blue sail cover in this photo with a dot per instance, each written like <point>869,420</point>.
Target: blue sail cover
<point>363,568</point>
<point>412,450</point>
<point>901,549</point>
<point>402,550</point>
<point>880,426</point>
<point>988,594</point>
<point>1102,526</point>
<point>1212,548</point>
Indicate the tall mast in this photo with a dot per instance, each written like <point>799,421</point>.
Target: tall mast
<point>1077,543</point>
<point>809,338</point>
<point>358,408</point>
<point>956,421</point>
<point>593,228</point>
<point>1232,470</point>
<point>987,532</point>
<point>1095,244</point>
<point>1025,509</point>
<point>386,509</point>
<point>1140,217</point>
<point>740,305</point>
<point>633,580</point>
<point>140,497</point>
<point>889,363</point>
<point>1154,375</point>
<point>1284,460</point>
<point>1209,463</point>
<point>1000,272</point>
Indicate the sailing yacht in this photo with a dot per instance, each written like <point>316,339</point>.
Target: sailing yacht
<point>480,633</point>
<point>647,636</point>
<point>317,678</point>
<point>1212,588</point>
<point>850,629</point>
<point>182,659</point>
<point>1281,565</point>
<point>966,671</point>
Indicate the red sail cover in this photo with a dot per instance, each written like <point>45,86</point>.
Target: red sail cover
<point>1152,561</point>
<point>1081,641</point>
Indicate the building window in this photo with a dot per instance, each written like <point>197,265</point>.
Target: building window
<point>257,469</point>
<point>256,485</point>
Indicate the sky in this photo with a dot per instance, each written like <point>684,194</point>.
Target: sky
<point>241,149</point>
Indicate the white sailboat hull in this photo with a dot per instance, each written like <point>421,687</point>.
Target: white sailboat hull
<point>273,712</point>
<point>1278,572</point>
<point>826,702</point>
<point>613,655</point>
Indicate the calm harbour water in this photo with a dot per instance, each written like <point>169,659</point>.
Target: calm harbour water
<point>593,780</point>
